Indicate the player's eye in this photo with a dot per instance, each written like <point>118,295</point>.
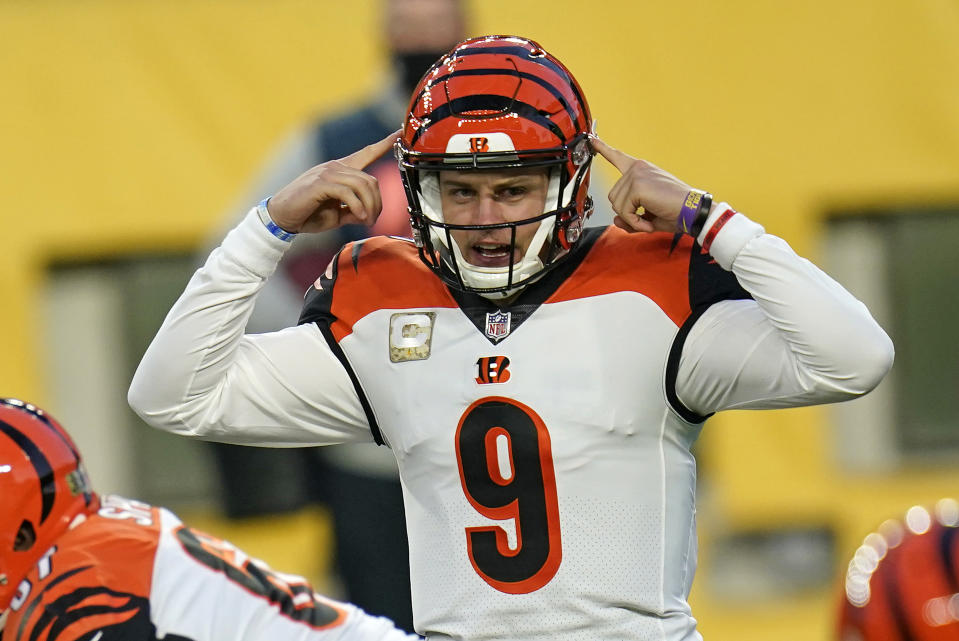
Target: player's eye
<point>516,191</point>
<point>461,194</point>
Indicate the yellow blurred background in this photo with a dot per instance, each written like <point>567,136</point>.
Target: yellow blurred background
<point>127,127</point>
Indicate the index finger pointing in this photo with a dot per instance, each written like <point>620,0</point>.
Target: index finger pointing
<point>366,155</point>
<point>617,158</point>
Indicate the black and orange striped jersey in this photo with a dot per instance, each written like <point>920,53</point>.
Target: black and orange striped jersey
<point>543,445</point>
<point>678,279</point>
<point>507,502</point>
<point>134,572</point>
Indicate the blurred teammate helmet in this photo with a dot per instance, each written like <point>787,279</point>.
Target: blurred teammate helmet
<point>43,487</point>
<point>497,102</point>
<point>903,582</point>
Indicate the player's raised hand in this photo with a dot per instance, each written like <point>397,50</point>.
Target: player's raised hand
<point>645,198</point>
<point>334,193</point>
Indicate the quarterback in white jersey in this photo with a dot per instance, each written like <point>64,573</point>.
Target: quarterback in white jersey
<point>540,384</point>
<point>75,567</point>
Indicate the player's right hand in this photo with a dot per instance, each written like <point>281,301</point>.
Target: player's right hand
<point>334,193</point>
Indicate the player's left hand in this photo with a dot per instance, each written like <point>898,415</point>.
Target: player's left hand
<point>332,194</point>
<point>645,198</point>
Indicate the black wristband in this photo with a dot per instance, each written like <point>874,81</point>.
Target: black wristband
<point>705,204</point>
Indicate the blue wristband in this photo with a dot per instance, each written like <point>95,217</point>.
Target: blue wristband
<point>272,227</point>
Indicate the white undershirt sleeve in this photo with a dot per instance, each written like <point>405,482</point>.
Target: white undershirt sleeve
<point>201,376</point>
<point>802,339</point>
<point>223,598</point>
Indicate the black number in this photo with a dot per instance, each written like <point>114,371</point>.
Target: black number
<point>293,595</point>
<point>506,468</point>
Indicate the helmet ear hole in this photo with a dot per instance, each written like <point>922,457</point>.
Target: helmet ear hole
<point>26,537</point>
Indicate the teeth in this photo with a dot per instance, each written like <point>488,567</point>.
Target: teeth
<point>497,250</point>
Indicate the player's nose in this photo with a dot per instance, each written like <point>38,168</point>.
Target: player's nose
<point>488,211</point>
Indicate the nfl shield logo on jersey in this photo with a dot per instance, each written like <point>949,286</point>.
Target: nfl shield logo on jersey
<point>497,325</point>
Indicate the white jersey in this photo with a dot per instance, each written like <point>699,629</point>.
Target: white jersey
<point>544,448</point>
<point>134,572</point>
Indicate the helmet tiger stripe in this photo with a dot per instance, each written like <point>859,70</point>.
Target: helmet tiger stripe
<point>902,583</point>
<point>43,487</point>
<point>497,102</point>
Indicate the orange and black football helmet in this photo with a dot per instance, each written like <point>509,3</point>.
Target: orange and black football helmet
<point>497,102</point>
<point>902,584</point>
<point>43,487</point>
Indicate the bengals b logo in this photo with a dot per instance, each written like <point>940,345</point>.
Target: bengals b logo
<point>492,369</point>
<point>479,145</point>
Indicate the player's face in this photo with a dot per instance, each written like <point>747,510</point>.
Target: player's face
<point>489,198</point>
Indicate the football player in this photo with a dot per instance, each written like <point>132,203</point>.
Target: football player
<point>539,382</point>
<point>902,584</point>
<point>75,566</point>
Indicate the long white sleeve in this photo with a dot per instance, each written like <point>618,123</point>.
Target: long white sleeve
<point>201,376</point>
<point>802,340</point>
<point>207,589</point>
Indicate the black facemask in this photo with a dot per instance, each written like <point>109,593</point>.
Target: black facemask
<point>413,65</point>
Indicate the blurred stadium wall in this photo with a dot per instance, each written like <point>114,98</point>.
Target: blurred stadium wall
<point>126,129</point>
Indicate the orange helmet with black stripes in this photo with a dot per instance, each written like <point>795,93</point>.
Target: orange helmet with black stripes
<point>43,487</point>
<point>902,584</point>
<point>497,102</point>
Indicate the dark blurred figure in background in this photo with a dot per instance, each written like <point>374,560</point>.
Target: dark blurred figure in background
<point>902,584</point>
<point>358,483</point>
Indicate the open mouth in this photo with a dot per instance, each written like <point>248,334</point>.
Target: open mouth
<point>490,254</point>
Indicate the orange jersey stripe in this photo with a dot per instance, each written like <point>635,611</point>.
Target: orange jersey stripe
<point>99,576</point>
<point>655,265</point>
<point>382,273</point>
